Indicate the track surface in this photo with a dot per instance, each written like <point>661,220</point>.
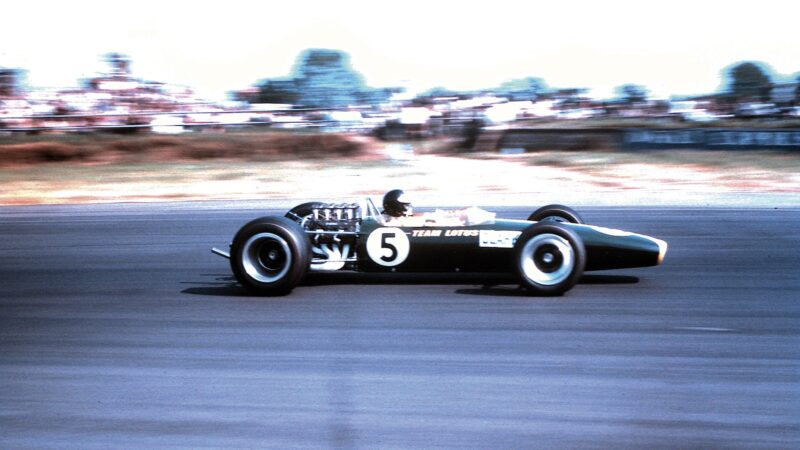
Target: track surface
<point>118,328</point>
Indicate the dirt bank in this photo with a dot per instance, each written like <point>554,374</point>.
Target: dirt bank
<point>223,167</point>
<point>17,151</point>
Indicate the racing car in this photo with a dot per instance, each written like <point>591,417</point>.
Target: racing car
<point>547,253</point>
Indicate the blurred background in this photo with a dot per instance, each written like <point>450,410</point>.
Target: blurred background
<point>92,96</point>
<point>417,71</point>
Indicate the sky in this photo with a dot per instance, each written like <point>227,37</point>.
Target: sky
<point>673,47</point>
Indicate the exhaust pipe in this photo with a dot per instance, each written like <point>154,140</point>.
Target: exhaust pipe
<point>222,253</point>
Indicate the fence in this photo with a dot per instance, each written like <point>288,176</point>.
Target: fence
<point>532,139</point>
<point>710,139</point>
<point>288,118</point>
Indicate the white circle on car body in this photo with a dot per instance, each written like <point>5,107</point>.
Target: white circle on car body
<point>388,246</point>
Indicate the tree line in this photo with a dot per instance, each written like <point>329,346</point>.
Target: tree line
<point>324,78</point>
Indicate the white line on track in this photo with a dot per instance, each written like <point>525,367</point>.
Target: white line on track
<point>706,329</point>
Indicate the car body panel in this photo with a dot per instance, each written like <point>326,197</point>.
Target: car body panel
<point>489,247</point>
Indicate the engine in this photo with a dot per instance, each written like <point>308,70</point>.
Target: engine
<point>332,229</point>
<point>344,217</point>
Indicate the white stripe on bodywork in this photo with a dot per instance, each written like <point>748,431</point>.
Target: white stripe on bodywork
<point>611,231</point>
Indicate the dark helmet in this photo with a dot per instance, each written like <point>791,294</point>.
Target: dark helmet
<point>394,204</point>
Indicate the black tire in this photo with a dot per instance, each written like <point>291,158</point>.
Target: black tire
<point>270,255</point>
<point>300,212</point>
<point>556,213</point>
<point>549,258</point>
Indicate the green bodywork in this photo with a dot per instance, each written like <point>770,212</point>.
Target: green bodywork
<point>487,247</point>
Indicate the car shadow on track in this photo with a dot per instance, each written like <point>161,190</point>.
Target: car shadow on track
<point>226,285</point>
<point>495,290</point>
<point>490,284</point>
<point>339,278</point>
<point>608,279</point>
<point>222,285</point>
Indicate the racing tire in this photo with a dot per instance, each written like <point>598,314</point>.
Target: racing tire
<point>556,213</point>
<point>302,211</point>
<point>270,255</point>
<point>549,258</point>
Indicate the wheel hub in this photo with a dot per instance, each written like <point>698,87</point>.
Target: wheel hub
<point>266,257</point>
<point>270,257</point>
<point>547,259</point>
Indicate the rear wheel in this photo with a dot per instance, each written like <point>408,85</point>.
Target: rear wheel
<point>556,213</point>
<point>302,212</point>
<point>549,258</point>
<point>270,255</point>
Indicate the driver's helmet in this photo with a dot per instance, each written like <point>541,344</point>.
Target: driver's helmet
<point>395,204</point>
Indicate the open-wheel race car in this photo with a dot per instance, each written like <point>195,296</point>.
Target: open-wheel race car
<point>547,253</point>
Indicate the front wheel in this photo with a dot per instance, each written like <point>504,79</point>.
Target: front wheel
<point>270,255</point>
<point>549,258</point>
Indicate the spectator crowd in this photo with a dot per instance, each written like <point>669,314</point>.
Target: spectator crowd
<point>118,101</point>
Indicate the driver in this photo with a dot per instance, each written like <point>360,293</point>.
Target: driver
<point>398,211</point>
<point>396,204</point>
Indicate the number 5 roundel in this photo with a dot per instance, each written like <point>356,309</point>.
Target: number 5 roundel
<point>387,246</point>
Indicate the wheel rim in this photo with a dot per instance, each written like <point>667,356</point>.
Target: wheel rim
<point>547,259</point>
<point>266,257</point>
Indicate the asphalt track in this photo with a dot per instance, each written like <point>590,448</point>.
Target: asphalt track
<point>118,329</point>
